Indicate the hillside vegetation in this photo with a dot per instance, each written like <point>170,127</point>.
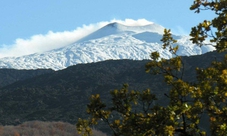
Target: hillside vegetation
<point>9,76</point>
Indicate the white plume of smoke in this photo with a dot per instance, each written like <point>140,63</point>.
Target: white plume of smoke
<point>53,40</point>
<point>131,22</point>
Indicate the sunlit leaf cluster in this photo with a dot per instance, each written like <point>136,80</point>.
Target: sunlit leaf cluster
<point>131,113</point>
<point>215,29</point>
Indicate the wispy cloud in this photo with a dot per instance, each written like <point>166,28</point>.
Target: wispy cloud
<point>53,40</point>
<point>178,30</point>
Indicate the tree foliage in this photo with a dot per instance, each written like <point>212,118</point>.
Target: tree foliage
<point>136,113</point>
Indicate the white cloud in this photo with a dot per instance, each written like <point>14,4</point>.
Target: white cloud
<point>131,22</point>
<point>53,40</point>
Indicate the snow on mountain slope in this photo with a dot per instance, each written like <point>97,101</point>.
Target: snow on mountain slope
<point>151,37</point>
<point>114,41</point>
<point>117,28</point>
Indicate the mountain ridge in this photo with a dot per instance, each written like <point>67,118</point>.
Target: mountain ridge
<point>113,41</point>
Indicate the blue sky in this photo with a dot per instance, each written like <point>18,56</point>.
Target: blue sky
<point>25,23</point>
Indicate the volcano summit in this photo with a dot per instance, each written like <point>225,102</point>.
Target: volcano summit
<point>113,41</point>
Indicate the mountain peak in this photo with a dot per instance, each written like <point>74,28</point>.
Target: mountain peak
<point>116,28</point>
<point>114,25</point>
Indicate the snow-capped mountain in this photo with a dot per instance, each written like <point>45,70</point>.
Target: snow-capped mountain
<point>113,41</point>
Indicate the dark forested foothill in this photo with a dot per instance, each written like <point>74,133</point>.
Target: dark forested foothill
<point>9,76</point>
<point>63,95</point>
